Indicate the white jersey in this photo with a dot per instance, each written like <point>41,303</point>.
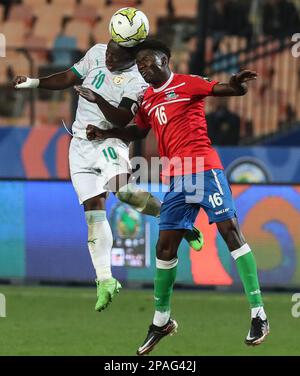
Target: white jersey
<point>111,86</point>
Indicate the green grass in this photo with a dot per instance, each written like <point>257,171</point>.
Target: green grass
<point>62,321</point>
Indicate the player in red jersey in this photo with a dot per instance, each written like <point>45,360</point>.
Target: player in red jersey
<point>173,107</point>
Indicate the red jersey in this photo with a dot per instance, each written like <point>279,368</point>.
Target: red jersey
<point>175,112</point>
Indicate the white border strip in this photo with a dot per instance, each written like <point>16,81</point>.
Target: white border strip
<point>218,182</point>
<point>162,88</point>
<point>241,251</point>
<point>174,87</point>
<point>161,264</point>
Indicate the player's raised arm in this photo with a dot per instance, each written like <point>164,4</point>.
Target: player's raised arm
<point>237,85</point>
<point>58,81</point>
<point>130,133</point>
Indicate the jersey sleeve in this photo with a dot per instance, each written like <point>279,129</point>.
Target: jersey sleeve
<point>135,90</point>
<point>82,67</point>
<point>200,86</point>
<point>141,120</point>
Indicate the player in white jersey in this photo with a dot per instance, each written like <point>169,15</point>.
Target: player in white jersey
<point>109,97</point>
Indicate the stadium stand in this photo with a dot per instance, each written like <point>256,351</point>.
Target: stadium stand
<point>46,27</point>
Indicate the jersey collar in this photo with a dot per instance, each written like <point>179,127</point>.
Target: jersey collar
<point>165,85</point>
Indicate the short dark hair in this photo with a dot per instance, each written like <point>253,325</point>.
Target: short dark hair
<point>155,45</point>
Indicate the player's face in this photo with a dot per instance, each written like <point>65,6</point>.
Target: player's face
<point>117,58</point>
<point>151,65</point>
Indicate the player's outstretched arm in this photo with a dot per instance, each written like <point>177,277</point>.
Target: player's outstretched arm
<point>130,133</point>
<point>58,81</point>
<point>119,116</point>
<point>237,85</point>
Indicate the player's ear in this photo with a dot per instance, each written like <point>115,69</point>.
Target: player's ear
<point>164,61</point>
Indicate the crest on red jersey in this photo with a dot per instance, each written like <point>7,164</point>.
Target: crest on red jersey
<point>171,95</point>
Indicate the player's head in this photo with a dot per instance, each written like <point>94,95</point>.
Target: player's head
<point>152,58</point>
<point>118,58</point>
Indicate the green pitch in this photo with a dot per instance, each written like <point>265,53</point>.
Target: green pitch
<point>62,321</point>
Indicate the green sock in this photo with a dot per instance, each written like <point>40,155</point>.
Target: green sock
<point>246,266</point>
<point>163,283</point>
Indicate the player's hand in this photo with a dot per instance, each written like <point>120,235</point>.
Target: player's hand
<point>95,133</point>
<point>19,80</point>
<point>22,82</point>
<point>86,93</point>
<point>245,76</point>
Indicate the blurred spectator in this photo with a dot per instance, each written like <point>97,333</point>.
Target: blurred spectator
<point>11,101</point>
<point>280,18</point>
<point>290,117</point>
<point>170,8</point>
<point>248,130</point>
<point>240,24</point>
<point>7,5</point>
<point>220,18</point>
<point>223,125</point>
<point>64,48</point>
<point>10,74</point>
<point>223,59</point>
<point>228,17</point>
<point>291,114</point>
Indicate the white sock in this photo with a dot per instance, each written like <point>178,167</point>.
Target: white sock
<point>100,241</point>
<point>161,318</point>
<point>258,311</point>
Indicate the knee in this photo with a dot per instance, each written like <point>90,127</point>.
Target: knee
<point>165,252</point>
<point>232,234</point>
<point>95,203</point>
<point>141,200</point>
<point>132,195</point>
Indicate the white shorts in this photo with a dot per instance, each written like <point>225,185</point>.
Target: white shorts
<point>94,163</point>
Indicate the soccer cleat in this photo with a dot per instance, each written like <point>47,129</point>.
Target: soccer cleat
<point>195,239</point>
<point>106,291</point>
<point>155,334</point>
<point>258,332</point>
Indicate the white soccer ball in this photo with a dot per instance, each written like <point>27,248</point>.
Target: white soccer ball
<point>129,27</point>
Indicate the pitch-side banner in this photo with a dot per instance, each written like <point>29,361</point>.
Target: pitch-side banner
<point>42,153</point>
<point>43,237</point>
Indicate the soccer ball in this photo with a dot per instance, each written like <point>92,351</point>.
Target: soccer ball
<point>129,27</point>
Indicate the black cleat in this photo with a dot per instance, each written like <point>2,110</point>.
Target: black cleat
<point>258,332</point>
<point>155,334</point>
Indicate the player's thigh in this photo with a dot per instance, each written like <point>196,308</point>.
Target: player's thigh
<point>177,212</point>
<point>113,161</point>
<point>88,185</point>
<point>168,243</point>
<point>217,201</point>
<point>81,154</point>
<point>87,181</point>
